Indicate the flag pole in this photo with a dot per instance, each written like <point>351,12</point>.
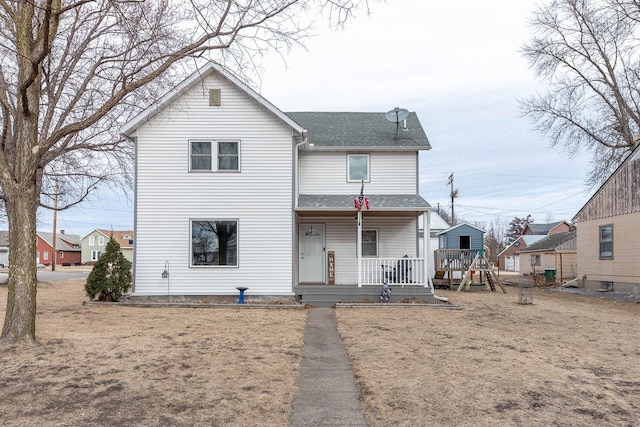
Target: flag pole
<point>359,251</point>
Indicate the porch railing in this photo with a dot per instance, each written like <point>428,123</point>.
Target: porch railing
<point>393,271</point>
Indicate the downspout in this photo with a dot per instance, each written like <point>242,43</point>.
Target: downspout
<point>296,167</point>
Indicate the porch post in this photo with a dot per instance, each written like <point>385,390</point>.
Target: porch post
<point>359,248</point>
<point>426,247</point>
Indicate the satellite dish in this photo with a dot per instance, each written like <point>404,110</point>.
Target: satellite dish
<point>396,115</point>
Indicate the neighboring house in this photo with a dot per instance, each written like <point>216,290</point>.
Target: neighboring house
<point>94,243</point>
<point>232,192</point>
<point>547,229</point>
<point>509,258</point>
<point>68,251</point>
<point>608,227</point>
<point>4,249</point>
<point>554,252</point>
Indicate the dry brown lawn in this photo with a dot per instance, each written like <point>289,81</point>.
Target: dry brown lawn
<point>131,366</point>
<point>566,360</point>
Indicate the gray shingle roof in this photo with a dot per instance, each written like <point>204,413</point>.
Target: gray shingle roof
<point>334,129</point>
<point>551,242</point>
<point>543,228</point>
<point>63,241</point>
<point>411,202</point>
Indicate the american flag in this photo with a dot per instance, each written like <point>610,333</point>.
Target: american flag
<point>361,200</point>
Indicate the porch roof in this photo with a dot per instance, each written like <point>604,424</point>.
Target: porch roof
<point>396,204</point>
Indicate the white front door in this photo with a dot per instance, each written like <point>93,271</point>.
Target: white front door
<point>311,253</point>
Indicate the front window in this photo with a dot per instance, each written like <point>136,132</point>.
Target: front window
<point>357,167</point>
<point>228,156</point>
<point>101,241</point>
<point>214,242</point>
<point>45,255</point>
<point>95,255</point>
<point>370,243</point>
<point>92,241</point>
<point>61,255</point>
<point>606,241</point>
<point>535,260</point>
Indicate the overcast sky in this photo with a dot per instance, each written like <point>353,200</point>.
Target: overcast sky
<point>458,66</point>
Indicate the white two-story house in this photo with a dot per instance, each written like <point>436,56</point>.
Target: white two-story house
<point>232,192</point>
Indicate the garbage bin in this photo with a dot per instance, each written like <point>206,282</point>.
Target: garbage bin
<point>525,293</point>
<point>550,275</point>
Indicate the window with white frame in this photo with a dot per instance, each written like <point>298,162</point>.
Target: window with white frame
<point>357,167</point>
<point>61,254</point>
<point>45,255</point>
<point>100,240</point>
<point>226,153</point>
<point>606,241</point>
<point>214,242</point>
<point>95,255</point>
<point>92,241</point>
<point>370,243</point>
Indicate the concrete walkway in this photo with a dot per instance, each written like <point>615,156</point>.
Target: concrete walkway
<point>327,395</point>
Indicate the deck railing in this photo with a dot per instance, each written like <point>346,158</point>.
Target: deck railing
<point>393,271</point>
<point>454,259</point>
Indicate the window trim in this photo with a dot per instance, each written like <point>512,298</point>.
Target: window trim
<point>92,241</point>
<point>368,157</point>
<point>95,255</point>
<point>237,253</point>
<point>601,242</point>
<point>377,233</point>
<point>100,240</point>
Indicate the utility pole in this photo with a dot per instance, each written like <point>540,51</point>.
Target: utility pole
<point>453,194</point>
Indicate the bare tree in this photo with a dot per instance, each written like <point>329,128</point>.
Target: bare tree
<point>72,70</point>
<point>515,228</point>
<point>588,51</point>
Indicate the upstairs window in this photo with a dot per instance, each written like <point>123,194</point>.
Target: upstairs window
<point>225,153</point>
<point>606,241</point>
<point>200,155</point>
<point>357,167</point>
<point>228,156</point>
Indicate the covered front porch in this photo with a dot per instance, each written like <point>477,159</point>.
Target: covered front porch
<point>349,254</point>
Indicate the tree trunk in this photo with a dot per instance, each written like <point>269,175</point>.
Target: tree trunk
<point>20,318</point>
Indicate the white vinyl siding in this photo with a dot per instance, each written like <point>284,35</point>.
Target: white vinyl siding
<point>260,198</point>
<point>389,173</point>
